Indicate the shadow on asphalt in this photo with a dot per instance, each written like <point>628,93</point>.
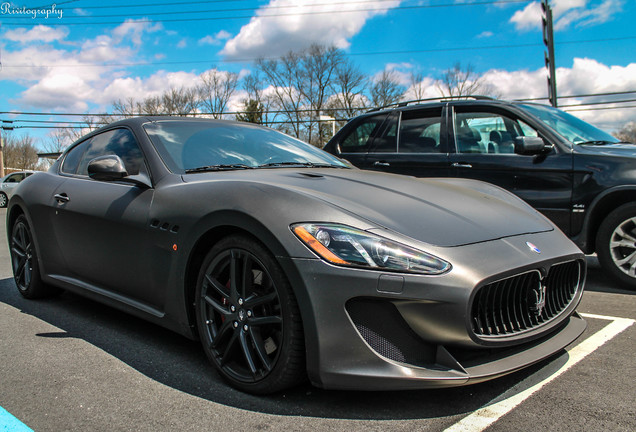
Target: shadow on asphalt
<point>180,363</point>
<point>599,281</point>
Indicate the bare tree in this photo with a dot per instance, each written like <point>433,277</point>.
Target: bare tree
<point>627,133</point>
<point>180,101</point>
<point>458,82</point>
<point>348,87</point>
<point>285,77</point>
<point>319,66</point>
<point>20,153</point>
<point>256,98</point>
<point>417,88</point>
<point>386,89</point>
<point>215,91</point>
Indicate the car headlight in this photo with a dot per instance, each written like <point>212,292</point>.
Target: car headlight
<point>343,245</point>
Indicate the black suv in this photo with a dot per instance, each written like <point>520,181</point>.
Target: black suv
<point>577,175</point>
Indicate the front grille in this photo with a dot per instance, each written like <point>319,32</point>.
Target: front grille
<point>526,301</point>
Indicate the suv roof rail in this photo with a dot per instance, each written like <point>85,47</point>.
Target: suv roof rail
<point>440,99</point>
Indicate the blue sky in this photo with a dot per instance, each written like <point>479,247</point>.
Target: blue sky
<point>85,54</point>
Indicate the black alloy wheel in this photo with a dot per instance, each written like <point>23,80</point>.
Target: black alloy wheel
<point>248,319</point>
<point>24,261</point>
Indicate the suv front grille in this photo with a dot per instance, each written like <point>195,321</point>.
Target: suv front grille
<point>524,302</point>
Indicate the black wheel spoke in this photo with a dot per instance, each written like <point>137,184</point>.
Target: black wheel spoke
<point>234,275</point>
<point>218,307</point>
<point>255,301</point>
<point>221,334</point>
<point>225,357</point>
<point>245,347</point>
<point>261,321</point>
<point>259,346</point>
<point>246,276</point>
<point>216,285</point>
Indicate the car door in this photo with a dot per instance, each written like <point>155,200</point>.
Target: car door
<point>412,142</point>
<point>485,150</point>
<point>11,182</point>
<point>102,227</point>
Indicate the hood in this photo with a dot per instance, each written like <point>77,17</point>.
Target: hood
<point>623,149</point>
<point>441,212</point>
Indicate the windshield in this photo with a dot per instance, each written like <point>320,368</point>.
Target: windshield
<point>569,127</point>
<point>194,146</point>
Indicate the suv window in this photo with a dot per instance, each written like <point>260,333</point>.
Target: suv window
<point>120,142</point>
<point>420,132</point>
<point>486,132</point>
<point>359,139</point>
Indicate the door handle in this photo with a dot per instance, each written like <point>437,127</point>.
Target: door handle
<point>61,198</point>
<point>461,165</point>
<point>381,164</point>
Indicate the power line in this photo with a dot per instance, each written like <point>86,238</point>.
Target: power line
<point>370,53</point>
<point>579,96</point>
<point>276,7</point>
<point>276,15</point>
<point>53,124</point>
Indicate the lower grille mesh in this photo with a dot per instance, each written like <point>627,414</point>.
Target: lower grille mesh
<point>524,301</point>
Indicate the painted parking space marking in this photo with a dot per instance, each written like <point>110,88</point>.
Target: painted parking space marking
<point>507,401</point>
<point>8,423</point>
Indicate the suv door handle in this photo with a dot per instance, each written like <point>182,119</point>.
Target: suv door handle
<point>61,198</point>
<point>381,164</point>
<point>461,165</point>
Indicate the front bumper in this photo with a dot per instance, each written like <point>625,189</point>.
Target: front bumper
<point>361,331</point>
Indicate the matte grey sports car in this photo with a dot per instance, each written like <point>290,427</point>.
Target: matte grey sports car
<point>286,263</point>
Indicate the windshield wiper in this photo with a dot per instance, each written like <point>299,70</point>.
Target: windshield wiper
<point>596,142</point>
<point>222,167</point>
<point>299,164</point>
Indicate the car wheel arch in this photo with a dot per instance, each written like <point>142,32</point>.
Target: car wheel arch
<point>222,225</point>
<point>598,210</point>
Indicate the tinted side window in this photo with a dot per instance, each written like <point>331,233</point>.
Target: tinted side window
<point>487,132</point>
<point>359,138</point>
<point>119,142</point>
<point>420,132</point>
<point>73,157</point>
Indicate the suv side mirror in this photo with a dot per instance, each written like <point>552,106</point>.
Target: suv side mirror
<point>107,168</point>
<point>527,145</point>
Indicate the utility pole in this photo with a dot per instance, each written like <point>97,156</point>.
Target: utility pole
<point>548,40</point>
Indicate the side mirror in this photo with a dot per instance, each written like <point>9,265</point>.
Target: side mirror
<point>527,145</point>
<point>107,168</point>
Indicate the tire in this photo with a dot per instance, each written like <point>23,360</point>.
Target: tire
<point>616,245</point>
<point>250,327</point>
<point>3,200</point>
<point>24,262</point>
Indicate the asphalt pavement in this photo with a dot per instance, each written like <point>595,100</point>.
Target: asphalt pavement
<point>70,364</point>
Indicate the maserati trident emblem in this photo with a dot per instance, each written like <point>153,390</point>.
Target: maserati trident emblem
<point>537,300</point>
<point>533,248</point>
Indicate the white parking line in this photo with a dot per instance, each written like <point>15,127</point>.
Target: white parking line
<point>507,401</point>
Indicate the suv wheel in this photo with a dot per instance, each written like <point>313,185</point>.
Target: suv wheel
<point>616,244</point>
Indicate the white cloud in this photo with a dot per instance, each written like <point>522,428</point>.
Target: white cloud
<point>485,34</point>
<point>586,76</point>
<point>68,79</point>
<point>566,13</point>
<point>217,39</point>
<point>323,23</point>
<point>182,43</point>
<point>134,30</point>
<point>38,33</point>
